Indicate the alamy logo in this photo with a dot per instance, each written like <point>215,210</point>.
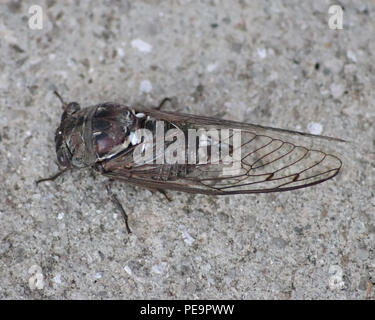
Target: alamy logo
<point>36,17</point>
<point>212,146</point>
<point>335,20</point>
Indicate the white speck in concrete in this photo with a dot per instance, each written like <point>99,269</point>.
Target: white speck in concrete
<point>57,279</point>
<point>128,270</point>
<point>159,268</point>
<point>337,90</point>
<point>120,52</point>
<point>145,86</point>
<point>99,275</point>
<point>60,216</point>
<point>315,128</point>
<point>206,267</point>
<point>185,235</point>
<point>324,91</point>
<point>351,56</point>
<point>211,67</point>
<point>141,45</point>
<point>262,53</point>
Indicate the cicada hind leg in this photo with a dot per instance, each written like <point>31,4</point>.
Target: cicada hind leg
<point>118,204</point>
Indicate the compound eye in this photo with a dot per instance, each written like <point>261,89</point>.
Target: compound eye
<point>62,158</point>
<point>72,107</point>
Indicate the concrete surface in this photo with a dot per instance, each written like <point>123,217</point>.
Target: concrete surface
<point>270,62</point>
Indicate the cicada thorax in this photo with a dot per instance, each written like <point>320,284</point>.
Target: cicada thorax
<point>102,132</point>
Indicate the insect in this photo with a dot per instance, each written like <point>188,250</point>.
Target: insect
<point>163,151</point>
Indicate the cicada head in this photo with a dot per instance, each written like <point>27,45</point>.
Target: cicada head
<point>64,150</point>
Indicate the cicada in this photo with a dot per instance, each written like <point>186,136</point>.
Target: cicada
<point>163,151</point>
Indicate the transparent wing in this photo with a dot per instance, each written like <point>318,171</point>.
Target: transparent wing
<point>271,160</point>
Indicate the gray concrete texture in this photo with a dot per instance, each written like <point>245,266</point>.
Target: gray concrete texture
<point>275,63</point>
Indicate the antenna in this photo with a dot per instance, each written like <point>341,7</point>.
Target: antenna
<point>61,99</point>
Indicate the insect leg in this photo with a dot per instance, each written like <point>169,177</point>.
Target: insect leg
<point>52,178</point>
<point>162,191</point>
<point>118,204</point>
<point>172,101</point>
<point>165,194</point>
